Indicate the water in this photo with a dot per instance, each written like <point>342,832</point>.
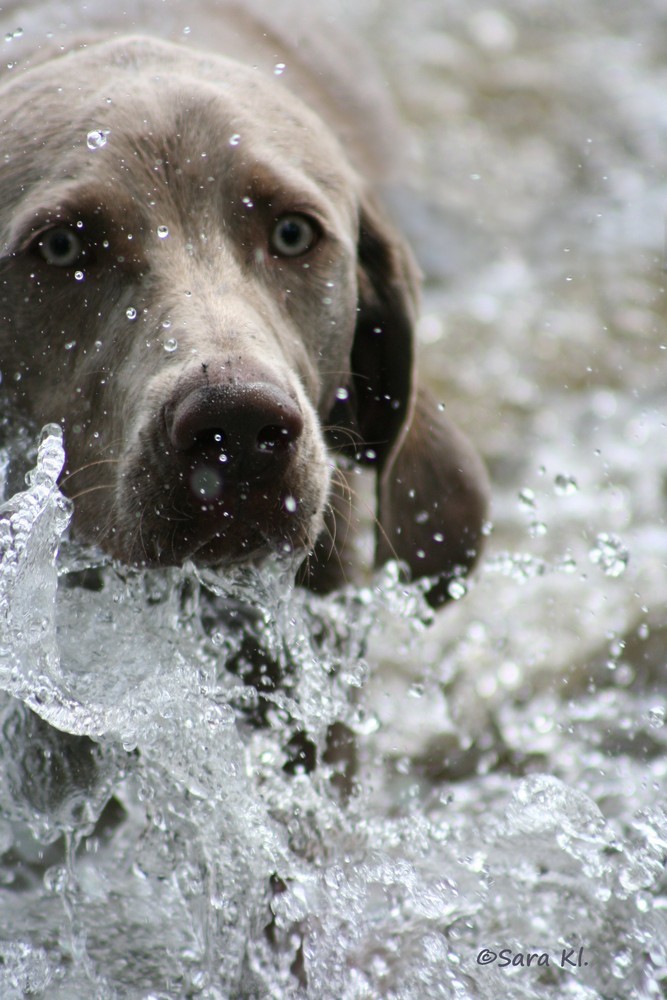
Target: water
<point>508,795</point>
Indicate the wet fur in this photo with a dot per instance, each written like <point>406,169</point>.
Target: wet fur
<point>70,354</point>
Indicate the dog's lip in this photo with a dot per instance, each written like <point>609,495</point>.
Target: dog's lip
<point>222,536</point>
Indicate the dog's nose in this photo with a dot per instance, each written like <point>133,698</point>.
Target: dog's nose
<point>248,429</point>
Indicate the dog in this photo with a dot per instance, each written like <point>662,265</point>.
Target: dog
<point>200,284</point>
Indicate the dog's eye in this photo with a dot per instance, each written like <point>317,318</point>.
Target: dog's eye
<point>60,246</point>
<point>293,235</point>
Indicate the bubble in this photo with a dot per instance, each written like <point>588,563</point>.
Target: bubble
<point>610,554</point>
<point>97,138</point>
<point>170,345</point>
<point>163,232</point>
<point>131,313</point>
<point>565,485</point>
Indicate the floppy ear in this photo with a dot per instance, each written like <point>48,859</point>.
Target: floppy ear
<point>432,500</point>
<point>431,486</point>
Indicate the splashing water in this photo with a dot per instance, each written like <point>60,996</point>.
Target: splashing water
<point>174,821</point>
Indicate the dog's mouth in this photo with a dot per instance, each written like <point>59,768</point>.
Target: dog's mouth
<point>218,521</point>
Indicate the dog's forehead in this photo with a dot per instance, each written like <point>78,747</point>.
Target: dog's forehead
<point>163,98</point>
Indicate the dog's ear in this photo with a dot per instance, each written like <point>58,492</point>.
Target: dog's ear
<point>432,500</point>
<point>382,360</point>
<point>431,486</point>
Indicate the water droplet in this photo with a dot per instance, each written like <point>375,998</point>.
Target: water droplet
<point>79,275</point>
<point>187,29</point>
<point>565,485</point>
<point>342,393</point>
<point>248,202</point>
<point>279,69</point>
<point>70,344</point>
<point>97,138</point>
<point>290,504</point>
<point>131,313</point>
<point>537,529</point>
<point>163,232</point>
<point>235,139</point>
<point>610,554</point>
<point>656,717</point>
<point>170,345</point>
<point>457,589</point>
<point>206,482</point>
<point>527,499</point>
<point>567,563</point>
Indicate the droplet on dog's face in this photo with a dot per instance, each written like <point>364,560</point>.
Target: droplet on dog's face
<point>170,345</point>
<point>163,232</point>
<point>97,138</point>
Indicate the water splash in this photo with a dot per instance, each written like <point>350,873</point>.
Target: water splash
<point>178,754</point>
<point>610,553</point>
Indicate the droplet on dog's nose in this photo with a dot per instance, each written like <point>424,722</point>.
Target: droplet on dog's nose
<point>162,232</point>
<point>131,313</point>
<point>170,345</point>
<point>97,138</point>
<point>279,69</point>
<point>206,482</point>
<point>235,139</point>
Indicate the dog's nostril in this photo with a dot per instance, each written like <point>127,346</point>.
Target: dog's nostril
<point>210,440</point>
<point>274,438</point>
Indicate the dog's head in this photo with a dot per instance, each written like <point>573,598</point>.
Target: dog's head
<point>195,283</point>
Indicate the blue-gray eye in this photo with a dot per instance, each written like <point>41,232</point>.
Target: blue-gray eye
<point>294,235</point>
<point>61,247</point>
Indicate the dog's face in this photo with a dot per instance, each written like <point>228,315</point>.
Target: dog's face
<point>193,282</point>
<point>181,296</point>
